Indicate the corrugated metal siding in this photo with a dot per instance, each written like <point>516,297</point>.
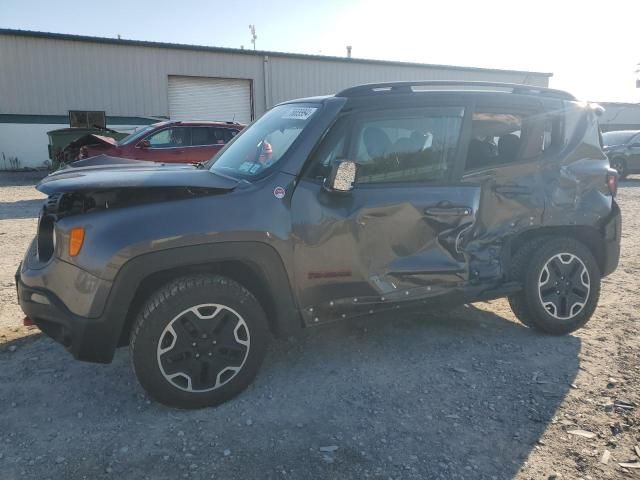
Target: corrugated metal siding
<point>51,76</point>
<point>292,78</point>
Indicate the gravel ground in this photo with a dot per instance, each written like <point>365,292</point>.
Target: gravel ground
<point>469,393</point>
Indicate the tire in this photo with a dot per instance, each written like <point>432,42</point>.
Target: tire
<point>519,264</point>
<point>620,165</point>
<point>198,341</point>
<point>549,265</point>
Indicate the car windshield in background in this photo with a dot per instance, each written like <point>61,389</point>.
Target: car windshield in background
<point>135,135</point>
<point>611,139</point>
<point>264,143</point>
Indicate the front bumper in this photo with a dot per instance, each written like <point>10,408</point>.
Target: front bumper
<point>88,339</point>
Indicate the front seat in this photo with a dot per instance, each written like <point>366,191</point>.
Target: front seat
<point>376,141</point>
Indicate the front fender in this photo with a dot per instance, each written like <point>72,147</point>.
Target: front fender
<point>259,256</point>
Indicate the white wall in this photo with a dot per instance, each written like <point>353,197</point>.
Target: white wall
<point>28,142</point>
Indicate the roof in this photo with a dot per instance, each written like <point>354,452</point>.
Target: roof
<point>407,87</point>
<point>213,123</point>
<point>238,51</point>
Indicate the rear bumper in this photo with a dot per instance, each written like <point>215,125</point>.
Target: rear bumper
<point>88,339</point>
<point>612,235</point>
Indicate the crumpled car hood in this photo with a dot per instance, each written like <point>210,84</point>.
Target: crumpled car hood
<point>119,173</point>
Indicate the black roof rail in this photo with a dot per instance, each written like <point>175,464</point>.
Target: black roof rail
<point>406,87</point>
<point>228,122</point>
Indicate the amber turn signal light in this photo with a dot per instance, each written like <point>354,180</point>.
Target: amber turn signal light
<point>76,238</point>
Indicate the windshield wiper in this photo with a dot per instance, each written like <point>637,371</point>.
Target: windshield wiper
<point>198,164</point>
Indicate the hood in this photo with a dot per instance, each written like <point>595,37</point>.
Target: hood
<point>106,140</point>
<point>607,148</point>
<point>93,140</point>
<point>118,173</point>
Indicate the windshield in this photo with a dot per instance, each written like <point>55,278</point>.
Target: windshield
<point>135,135</point>
<point>264,143</point>
<point>611,139</point>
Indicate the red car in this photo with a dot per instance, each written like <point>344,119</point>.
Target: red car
<point>181,142</point>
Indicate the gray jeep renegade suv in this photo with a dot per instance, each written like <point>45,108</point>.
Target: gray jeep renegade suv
<point>381,197</point>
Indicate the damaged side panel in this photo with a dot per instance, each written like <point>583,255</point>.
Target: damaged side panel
<point>565,186</point>
<point>381,247</point>
<point>378,247</point>
<point>575,180</point>
<point>511,202</point>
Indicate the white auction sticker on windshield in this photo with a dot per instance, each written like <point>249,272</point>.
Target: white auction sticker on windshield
<point>299,113</point>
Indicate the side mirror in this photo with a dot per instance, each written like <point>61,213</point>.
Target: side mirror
<point>342,176</point>
<point>143,144</point>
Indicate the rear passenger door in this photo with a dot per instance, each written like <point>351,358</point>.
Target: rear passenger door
<point>397,237</point>
<point>504,154</point>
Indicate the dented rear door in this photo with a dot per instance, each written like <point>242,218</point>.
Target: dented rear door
<point>398,236</point>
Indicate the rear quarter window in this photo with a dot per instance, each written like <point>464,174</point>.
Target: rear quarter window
<point>501,137</point>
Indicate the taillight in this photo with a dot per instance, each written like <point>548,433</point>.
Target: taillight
<point>612,183</point>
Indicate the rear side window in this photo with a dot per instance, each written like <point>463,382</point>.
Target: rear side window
<point>503,137</point>
<point>202,136</point>
<point>496,138</point>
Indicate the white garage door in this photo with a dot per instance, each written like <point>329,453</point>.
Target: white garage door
<point>202,98</point>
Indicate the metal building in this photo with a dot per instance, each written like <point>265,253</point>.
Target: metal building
<point>620,116</point>
<point>45,76</point>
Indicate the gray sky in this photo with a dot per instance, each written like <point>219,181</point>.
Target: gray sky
<point>592,47</point>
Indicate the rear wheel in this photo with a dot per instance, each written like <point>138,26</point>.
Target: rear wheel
<point>561,285</point>
<point>198,341</point>
<point>620,166</point>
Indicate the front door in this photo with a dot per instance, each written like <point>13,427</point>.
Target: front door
<point>170,144</point>
<point>397,237</point>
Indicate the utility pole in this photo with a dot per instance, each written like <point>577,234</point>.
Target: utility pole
<point>252,29</point>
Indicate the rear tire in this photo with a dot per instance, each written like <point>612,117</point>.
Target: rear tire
<point>198,341</point>
<point>561,285</point>
<point>620,165</point>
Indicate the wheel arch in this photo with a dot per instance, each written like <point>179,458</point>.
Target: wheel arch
<point>257,266</point>
<point>591,237</point>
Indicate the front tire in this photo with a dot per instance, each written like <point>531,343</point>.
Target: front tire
<point>561,285</point>
<point>198,341</point>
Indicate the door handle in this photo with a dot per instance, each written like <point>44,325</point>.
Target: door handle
<point>448,211</point>
<point>513,189</point>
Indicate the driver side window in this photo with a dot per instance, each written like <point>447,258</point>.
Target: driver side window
<point>170,138</point>
<point>417,145</point>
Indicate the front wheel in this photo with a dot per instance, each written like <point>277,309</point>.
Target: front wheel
<point>198,341</point>
<point>561,285</point>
